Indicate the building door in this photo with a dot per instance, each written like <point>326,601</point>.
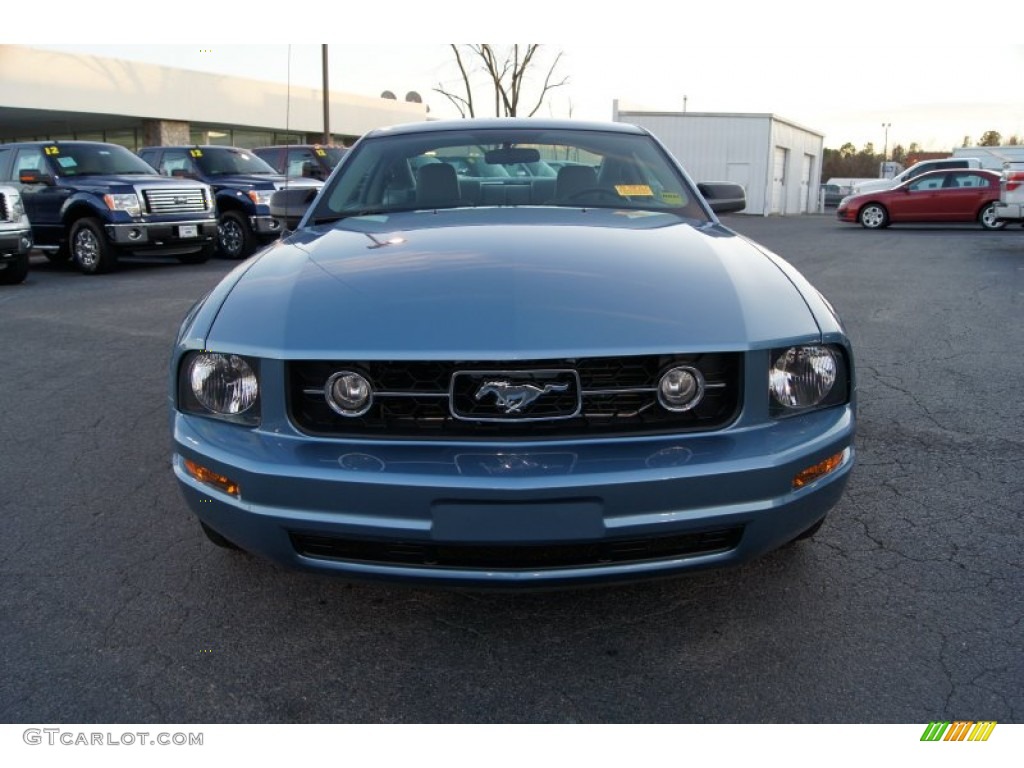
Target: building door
<point>779,181</point>
<point>805,183</point>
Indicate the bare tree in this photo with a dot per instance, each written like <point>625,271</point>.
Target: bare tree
<point>505,72</point>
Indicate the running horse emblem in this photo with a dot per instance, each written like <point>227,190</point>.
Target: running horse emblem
<point>514,397</point>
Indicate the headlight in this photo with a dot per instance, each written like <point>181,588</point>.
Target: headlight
<point>801,378</point>
<point>348,393</point>
<point>221,385</point>
<point>261,196</point>
<point>17,208</point>
<point>127,203</point>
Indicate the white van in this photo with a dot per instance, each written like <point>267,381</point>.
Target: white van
<point>877,185</point>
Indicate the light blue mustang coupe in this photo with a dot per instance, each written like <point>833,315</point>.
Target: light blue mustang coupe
<point>511,353</point>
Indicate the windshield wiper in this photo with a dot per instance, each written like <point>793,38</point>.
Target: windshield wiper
<point>356,214</point>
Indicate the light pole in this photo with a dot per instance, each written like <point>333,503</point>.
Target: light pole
<point>885,149</point>
<point>327,97</point>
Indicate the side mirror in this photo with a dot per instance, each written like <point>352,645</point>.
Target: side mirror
<point>35,177</point>
<point>288,206</point>
<point>723,196</point>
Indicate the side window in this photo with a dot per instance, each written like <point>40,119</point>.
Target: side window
<point>935,181</point>
<point>297,158</point>
<point>176,160</point>
<point>30,159</point>
<point>972,180</point>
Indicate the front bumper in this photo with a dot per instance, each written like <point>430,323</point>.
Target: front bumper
<point>152,235</point>
<point>479,514</point>
<point>14,243</point>
<point>265,227</point>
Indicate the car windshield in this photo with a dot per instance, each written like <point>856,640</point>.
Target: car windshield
<point>518,166</point>
<point>228,161</point>
<point>96,160</point>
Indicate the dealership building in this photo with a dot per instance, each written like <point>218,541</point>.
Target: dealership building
<point>53,95</point>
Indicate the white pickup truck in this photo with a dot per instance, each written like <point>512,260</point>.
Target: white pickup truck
<point>941,164</point>
<point>1010,207</point>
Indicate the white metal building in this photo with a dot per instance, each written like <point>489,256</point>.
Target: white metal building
<point>777,161</point>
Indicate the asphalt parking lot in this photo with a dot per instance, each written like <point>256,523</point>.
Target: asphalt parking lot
<point>907,606</point>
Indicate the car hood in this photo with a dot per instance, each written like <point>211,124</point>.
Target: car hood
<point>262,181</point>
<point>879,185</point>
<point>102,183</point>
<point>510,284</point>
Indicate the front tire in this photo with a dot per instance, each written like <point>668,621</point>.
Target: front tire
<point>987,218</point>
<point>234,237</point>
<point>873,216</point>
<point>15,272</point>
<point>89,248</point>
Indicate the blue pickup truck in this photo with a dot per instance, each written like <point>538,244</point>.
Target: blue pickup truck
<point>93,202</point>
<point>242,184</point>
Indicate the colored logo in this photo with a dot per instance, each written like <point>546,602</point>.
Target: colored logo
<point>961,730</point>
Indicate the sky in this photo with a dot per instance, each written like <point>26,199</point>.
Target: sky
<point>737,57</point>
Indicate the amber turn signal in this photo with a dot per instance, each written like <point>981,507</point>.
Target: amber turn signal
<point>209,477</point>
<point>820,469</point>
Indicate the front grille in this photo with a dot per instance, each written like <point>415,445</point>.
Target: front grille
<point>513,557</point>
<point>603,397</point>
<point>4,215</point>
<point>177,200</point>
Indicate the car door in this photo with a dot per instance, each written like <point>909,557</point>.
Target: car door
<point>917,200</point>
<point>963,195</point>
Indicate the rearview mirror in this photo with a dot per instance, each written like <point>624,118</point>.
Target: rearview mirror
<point>723,196</point>
<point>511,155</point>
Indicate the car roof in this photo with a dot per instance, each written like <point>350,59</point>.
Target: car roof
<point>301,146</point>
<point>196,146</point>
<point>438,126</point>
<point>64,143</point>
<point>937,171</point>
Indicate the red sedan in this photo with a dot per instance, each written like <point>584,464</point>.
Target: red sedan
<point>939,196</point>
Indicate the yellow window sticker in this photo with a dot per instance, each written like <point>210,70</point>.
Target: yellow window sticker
<point>52,150</point>
<point>634,190</point>
<point>320,152</point>
<point>672,198</point>
<point>196,152</point>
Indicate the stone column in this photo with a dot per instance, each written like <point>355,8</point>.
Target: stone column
<point>159,133</point>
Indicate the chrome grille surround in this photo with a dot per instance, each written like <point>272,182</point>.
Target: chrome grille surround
<point>438,399</point>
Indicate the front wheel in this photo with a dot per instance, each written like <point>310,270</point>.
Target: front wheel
<point>235,238</point>
<point>873,216</point>
<point>987,218</point>
<point>90,249</point>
